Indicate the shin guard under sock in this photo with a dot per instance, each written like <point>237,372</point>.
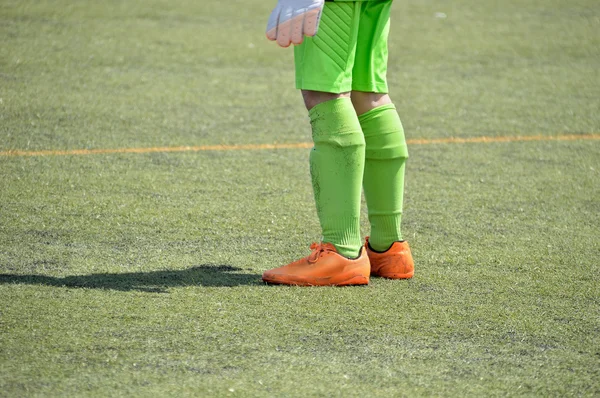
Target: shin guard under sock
<point>336,167</point>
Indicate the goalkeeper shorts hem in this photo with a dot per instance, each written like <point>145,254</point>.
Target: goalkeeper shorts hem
<point>349,51</point>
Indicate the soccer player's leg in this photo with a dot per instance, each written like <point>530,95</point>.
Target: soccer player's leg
<point>386,151</point>
<point>324,74</point>
<point>385,161</point>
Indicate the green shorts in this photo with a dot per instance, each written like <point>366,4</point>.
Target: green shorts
<point>350,50</point>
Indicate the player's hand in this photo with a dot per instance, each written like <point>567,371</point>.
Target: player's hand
<point>291,20</point>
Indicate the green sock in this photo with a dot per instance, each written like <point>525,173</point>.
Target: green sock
<point>336,166</point>
<point>386,155</point>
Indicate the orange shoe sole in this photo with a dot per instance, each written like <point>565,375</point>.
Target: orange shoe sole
<point>349,279</point>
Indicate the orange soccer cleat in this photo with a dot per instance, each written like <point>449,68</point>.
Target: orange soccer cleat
<point>323,267</point>
<point>394,263</point>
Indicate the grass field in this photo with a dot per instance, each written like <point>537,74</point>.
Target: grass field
<point>138,274</point>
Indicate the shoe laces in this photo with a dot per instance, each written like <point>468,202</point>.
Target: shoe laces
<point>318,249</point>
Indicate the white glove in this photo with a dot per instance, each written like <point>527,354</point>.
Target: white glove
<point>291,20</point>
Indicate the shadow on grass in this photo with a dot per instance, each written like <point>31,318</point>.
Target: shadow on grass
<point>154,282</point>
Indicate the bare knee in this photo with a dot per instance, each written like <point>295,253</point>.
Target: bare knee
<point>314,98</point>
<point>364,102</point>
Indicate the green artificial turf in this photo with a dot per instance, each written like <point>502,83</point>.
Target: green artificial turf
<point>139,274</point>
